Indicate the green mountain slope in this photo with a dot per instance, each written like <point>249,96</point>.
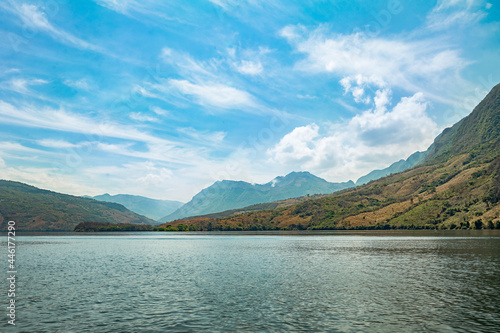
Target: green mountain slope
<point>477,133</point>
<point>402,165</point>
<point>34,209</point>
<point>151,208</point>
<point>456,186</point>
<point>227,195</point>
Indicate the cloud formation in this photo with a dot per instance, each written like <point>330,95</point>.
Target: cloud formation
<point>413,65</point>
<point>34,16</point>
<point>214,95</point>
<point>366,141</point>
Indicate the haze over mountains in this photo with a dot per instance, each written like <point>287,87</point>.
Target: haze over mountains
<point>228,194</point>
<point>151,208</point>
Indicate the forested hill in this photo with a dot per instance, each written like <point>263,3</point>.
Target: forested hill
<point>34,209</point>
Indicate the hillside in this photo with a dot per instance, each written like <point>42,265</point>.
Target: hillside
<point>476,133</point>
<point>151,208</point>
<point>34,209</point>
<point>399,166</point>
<point>226,195</point>
<point>456,186</point>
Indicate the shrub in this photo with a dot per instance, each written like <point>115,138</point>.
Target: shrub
<point>477,224</point>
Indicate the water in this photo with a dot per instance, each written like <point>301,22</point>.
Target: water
<point>334,282</point>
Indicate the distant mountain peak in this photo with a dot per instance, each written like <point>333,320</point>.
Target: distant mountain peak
<point>300,174</point>
<point>229,194</point>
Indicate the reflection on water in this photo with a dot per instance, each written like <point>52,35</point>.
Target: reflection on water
<point>337,282</point>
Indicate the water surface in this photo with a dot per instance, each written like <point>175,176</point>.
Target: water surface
<point>399,281</point>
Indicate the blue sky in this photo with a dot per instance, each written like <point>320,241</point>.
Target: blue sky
<point>163,98</point>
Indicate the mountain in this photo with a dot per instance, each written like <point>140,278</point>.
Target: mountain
<point>34,209</point>
<point>151,208</point>
<point>476,133</point>
<point>457,185</point>
<point>396,167</point>
<point>227,194</point>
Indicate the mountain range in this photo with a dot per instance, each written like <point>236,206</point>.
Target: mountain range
<point>456,185</point>
<point>151,208</point>
<point>227,194</point>
<point>34,209</point>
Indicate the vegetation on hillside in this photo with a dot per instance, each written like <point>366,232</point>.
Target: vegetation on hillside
<point>35,209</point>
<point>227,195</point>
<point>459,194</point>
<point>104,226</point>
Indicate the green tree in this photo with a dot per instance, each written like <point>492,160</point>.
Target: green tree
<point>477,224</point>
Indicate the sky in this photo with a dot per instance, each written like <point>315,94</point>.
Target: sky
<point>163,98</point>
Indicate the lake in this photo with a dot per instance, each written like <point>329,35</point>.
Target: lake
<point>398,281</point>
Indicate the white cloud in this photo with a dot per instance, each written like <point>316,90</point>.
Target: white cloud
<point>366,142</point>
<point>357,84</point>
<point>159,111</point>
<point>142,117</point>
<point>34,16</point>
<point>81,84</point>
<point>414,65</point>
<point>249,67</point>
<point>306,96</point>
<point>448,13</point>
<point>202,83</point>
<point>297,146</point>
<point>120,6</point>
<point>210,83</point>
<point>215,95</point>
<point>45,178</point>
<point>50,143</point>
<point>144,92</point>
<point>248,61</point>
<point>60,120</point>
<point>229,4</point>
<point>222,3</point>
<point>165,114</point>
<point>12,70</point>
<point>9,146</point>
<point>203,137</point>
<point>21,85</point>
<point>188,66</point>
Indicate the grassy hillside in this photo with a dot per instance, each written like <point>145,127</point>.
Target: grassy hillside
<point>457,186</point>
<point>258,207</point>
<point>456,194</point>
<point>35,209</point>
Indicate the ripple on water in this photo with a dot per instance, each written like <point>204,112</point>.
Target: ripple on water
<point>258,283</point>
